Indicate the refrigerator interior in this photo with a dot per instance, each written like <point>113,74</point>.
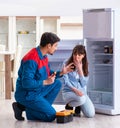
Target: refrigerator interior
<point>100,59</point>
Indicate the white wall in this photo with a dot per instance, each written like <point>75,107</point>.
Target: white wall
<point>52,7</point>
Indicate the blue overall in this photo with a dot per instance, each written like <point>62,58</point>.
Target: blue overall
<point>30,91</point>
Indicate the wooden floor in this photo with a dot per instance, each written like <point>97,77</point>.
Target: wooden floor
<point>7,120</point>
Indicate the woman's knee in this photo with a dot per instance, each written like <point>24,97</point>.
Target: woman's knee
<point>82,100</point>
<point>88,111</point>
<point>90,114</point>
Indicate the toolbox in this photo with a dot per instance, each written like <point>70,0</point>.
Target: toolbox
<point>64,116</point>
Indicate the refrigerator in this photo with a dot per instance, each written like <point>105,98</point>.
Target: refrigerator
<point>102,39</point>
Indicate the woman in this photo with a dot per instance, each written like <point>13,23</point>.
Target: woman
<point>74,87</point>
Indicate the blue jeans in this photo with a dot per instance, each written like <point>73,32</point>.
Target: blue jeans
<point>40,107</point>
<point>84,101</point>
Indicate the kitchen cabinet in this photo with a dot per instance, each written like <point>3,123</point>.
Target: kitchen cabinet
<point>66,27</point>
<point>103,86</point>
<point>4,31</point>
<point>49,24</point>
<point>30,28</point>
<point>7,29</point>
<point>26,32</point>
<point>71,27</point>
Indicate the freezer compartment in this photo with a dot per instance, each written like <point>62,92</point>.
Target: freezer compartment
<point>107,99</point>
<point>103,98</point>
<point>95,97</point>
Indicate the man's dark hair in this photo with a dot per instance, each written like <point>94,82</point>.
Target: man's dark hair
<point>47,38</point>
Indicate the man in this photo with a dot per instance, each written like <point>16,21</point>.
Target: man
<point>37,85</point>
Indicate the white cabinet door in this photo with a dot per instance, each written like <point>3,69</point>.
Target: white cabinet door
<point>4,31</point>
<point>97,23</point>
<point>26,32</point>
<point>49,24</point>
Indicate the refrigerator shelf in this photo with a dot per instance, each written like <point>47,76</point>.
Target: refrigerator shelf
<point>103,54</point>
<point>102,90</point>
<point>103,64</point>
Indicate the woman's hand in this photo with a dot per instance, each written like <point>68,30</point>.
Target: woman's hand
<point>77,92</point>
<point>78,65</point>
<point>67,69</point>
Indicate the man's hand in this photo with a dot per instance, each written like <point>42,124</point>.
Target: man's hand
<point>50,79</point>
<point>67,69</point>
